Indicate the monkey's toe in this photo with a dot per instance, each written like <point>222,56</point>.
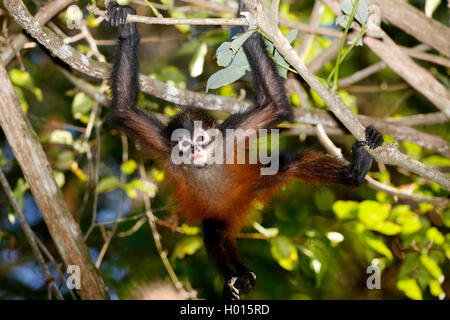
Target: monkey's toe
<point>239,285</point>
<point>118,14</point>
<point>246,282</point>
<point>373,138</point>
<point>230,292</point>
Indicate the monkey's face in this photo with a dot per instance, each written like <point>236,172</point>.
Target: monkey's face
<point>197,146</point>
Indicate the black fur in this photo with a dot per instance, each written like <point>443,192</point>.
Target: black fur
<point>272,108</point>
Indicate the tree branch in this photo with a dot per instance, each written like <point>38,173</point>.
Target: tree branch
<point>44,15</point>
<point>335,151</point>
<point>414,22</point>
<point>80,62</point>
<point>386,153</point>
<point>62,227</point>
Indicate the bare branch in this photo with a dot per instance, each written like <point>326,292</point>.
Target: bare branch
<point>414,22</point>
<point>362,74</point>
<point>420,119</point>
<point>43,16</point>
<point>309,38</point>
<point>418,77</point>
<point>175,21</point>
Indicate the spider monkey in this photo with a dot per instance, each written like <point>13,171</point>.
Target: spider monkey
<point>219,195</point>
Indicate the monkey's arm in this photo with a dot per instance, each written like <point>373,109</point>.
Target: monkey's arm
<point>124,112</point>
<point>313,167</point>
<point>272,105</point>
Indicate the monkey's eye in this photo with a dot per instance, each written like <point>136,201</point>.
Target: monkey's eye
<point>184,144</point>
<point>201,137</point>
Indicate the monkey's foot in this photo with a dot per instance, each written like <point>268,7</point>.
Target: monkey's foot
<point>118,18</point>
<point>239,285</point>
<point>374,139</point>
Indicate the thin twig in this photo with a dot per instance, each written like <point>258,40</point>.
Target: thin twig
<point>29,234</point>
<point>105,246</point>
<point>157,238</point>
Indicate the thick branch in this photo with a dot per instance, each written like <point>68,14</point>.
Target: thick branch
<point>418,77</point>
<point>62,227</point>
<point>413,21</point>
<point>386,153</point>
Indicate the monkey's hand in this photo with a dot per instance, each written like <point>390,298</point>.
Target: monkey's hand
<point>362,160</point>
<point>374,139</point>
<point>236,286</point>
<point>117,15</point>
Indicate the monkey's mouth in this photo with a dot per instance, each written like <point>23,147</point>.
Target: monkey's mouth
<point>198,159</point>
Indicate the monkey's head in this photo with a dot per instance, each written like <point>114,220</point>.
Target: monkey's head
<point>190,133</point>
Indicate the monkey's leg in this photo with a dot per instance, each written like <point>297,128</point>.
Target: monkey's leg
<point>222,251</point>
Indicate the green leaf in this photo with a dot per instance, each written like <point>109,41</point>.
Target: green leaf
<point>129,167</point>
<point>388,228</point>
<point>345,210</point>
<point>23,79</point>
<point>107,184</point>
<point>59,178</point>
<point>436,289</point>
<point>377,244</point>
<point>408,220</point>
<point>135,185</point>
<point>187,246</point>
<point>446,217</point>
<point>81,105</point>
<point>239,40</point>
<point>190,230</point>
<point>410,288</point>
<point>198,60</point>
<point>22,99</point>
<point>284,252</point>
<point>342,21</point>
<point>371,213</point>
<point>432,267</point>
<point>65,160</point>
<point>61,137</point>
<point>361,13</point>
<point>238,67</point>
<point>224,54</point>
<point>434,235</point>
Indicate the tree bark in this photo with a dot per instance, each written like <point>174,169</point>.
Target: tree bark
<point>63,229</point>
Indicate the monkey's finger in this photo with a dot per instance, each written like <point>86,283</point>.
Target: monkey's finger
<point>369,130</point>
<point>123,16</point>
<point>380,141</point>
<point>113,17</point>
<point>372,138</point>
